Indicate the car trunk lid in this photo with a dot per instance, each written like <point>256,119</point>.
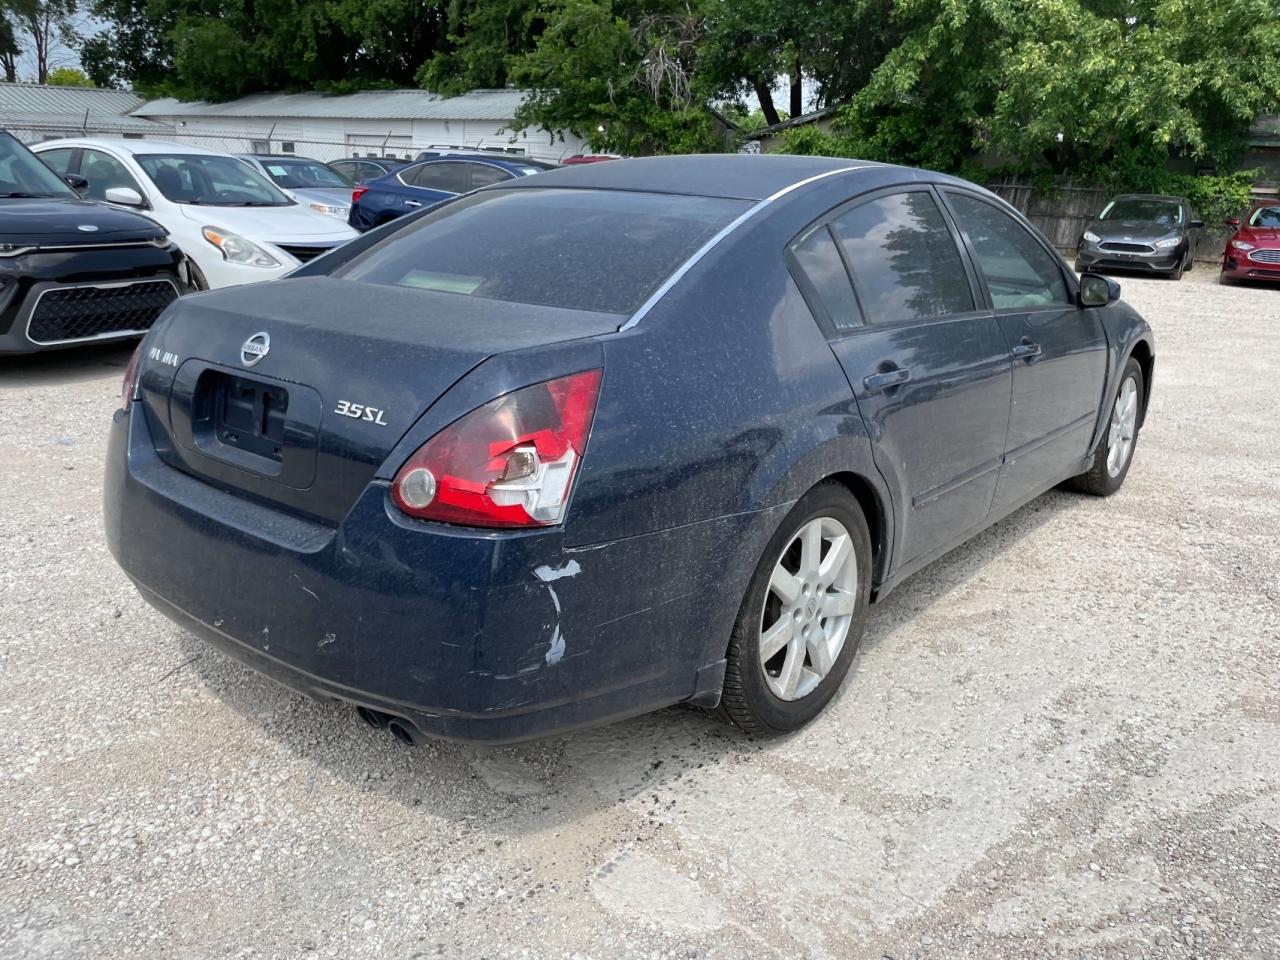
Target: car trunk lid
<point>295,392</point>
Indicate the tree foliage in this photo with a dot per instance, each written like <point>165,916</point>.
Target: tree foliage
<point>39,28</point>
<point>1087,87</point>
<point>68,77</point>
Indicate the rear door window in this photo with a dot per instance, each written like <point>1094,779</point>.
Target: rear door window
<point>483,175</point>
<point>905,262</point>
<point>447,177</point>
<point>1019,271</point>
<point>598,250</point>
<point>103,173</point>
<point>819,261</point>
<point>59,161</point>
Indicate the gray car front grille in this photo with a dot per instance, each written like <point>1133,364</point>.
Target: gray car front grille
<point>1121,246</point>
<point>1265,256</point>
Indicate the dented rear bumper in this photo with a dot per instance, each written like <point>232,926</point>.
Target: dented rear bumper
<point>471,635</point>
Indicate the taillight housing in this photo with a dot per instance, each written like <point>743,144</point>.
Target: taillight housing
<point>510,463</point>
<point>357,193</point>
<point>129,388</point>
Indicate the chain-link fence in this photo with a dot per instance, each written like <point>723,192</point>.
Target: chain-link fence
<point>400,146</point>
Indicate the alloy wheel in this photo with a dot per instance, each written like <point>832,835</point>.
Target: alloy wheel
<point>1124,424</point>
<point>812,594</point>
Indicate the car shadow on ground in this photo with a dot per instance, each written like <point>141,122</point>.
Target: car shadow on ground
<point>549,783</point>
<point>72,365</point>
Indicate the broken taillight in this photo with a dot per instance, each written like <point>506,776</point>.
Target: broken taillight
<point>510,463</point>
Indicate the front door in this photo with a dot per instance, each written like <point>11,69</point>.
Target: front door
<point>1059,351</point>
<point>929,367</point>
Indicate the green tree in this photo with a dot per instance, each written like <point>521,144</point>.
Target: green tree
<point>47,26</point>
<point>619,73</point>
<point>68,77</point>
<point>136,48</point>
<point>9,47</point>
<point>1080,86</point>
<point>482,37</point>
<point>833,44</point>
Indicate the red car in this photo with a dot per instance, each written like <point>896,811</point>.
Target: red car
<point>1253,252</point>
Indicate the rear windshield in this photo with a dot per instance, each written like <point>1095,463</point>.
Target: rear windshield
<point>598,250</point>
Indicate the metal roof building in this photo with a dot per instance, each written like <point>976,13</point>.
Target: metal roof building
<point>32,112</point>
<point>391,122</point>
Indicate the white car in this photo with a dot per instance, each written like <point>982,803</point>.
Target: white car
<point>234,225</point>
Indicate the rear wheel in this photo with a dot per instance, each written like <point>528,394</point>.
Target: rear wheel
<point>1115,452</point>
<point>803,616</point>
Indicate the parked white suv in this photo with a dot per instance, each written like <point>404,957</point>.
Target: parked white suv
<point>234,225</point>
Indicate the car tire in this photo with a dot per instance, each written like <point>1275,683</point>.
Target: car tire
<point>1177,272</point>
<point>1120,440</point>
<point>756,688</point>
<point>1191,262</point>
<point>1225,281</point>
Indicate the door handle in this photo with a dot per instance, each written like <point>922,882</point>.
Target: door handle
<point>1026,350</point>
<point>412,203</point>
<point>886,379</point>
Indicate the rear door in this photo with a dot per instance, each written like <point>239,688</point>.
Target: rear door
<point>1059,351</point>
<point>927,363</point>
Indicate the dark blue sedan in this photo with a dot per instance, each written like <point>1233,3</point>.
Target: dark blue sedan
<point>380,200</point>
<point>582,445</point>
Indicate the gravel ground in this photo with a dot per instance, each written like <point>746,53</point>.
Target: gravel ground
<point>1062,740</point>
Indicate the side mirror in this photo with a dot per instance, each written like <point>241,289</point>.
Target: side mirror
<point>1196,224</point>
<point>76,182</point>
<point>1233,221</point>
<point>1097,290</point>
<point>125,196</point>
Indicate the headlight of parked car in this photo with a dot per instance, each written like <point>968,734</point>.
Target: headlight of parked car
<point>1091,237</point>
<point>1241,245</point>
<point>332,211</point>
<point>236,249</point>
<point>1168,242</point>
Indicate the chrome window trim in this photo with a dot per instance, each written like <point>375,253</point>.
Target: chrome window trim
<point>711,244</point>
<point>108,285</point>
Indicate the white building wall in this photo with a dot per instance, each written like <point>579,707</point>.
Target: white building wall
<point>329,138</point>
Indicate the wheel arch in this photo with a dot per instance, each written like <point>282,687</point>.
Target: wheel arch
<point>877,516</point>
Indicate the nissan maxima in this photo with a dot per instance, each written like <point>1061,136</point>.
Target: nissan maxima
<point>622,435</point>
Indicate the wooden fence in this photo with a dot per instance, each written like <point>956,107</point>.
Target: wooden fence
<point>1062,216</point>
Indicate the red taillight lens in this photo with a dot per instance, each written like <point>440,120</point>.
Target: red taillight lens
<point>130,386</point>
<point>357,193</point>
<point>510,463</point>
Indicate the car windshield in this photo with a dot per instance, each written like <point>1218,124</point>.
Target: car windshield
<point>22,174</point>
<point>300,174</point>
<point>1145,209</point>
<point>1265,217</point>
<point>210,180</point>
<point>604,251</point>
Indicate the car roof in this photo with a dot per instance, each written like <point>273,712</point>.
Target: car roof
<point>734,175</point>
<point>136,146</point>
<point>494,161</point>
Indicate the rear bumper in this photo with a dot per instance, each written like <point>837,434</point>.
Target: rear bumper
<point>471,636</point>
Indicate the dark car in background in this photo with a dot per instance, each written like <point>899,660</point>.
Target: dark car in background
<point>429,182</point>
<point>359,169</point>
<point>74,271</point>
<point>1253,251</point>
<point>582,445</point>
<point>1141,232</point>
